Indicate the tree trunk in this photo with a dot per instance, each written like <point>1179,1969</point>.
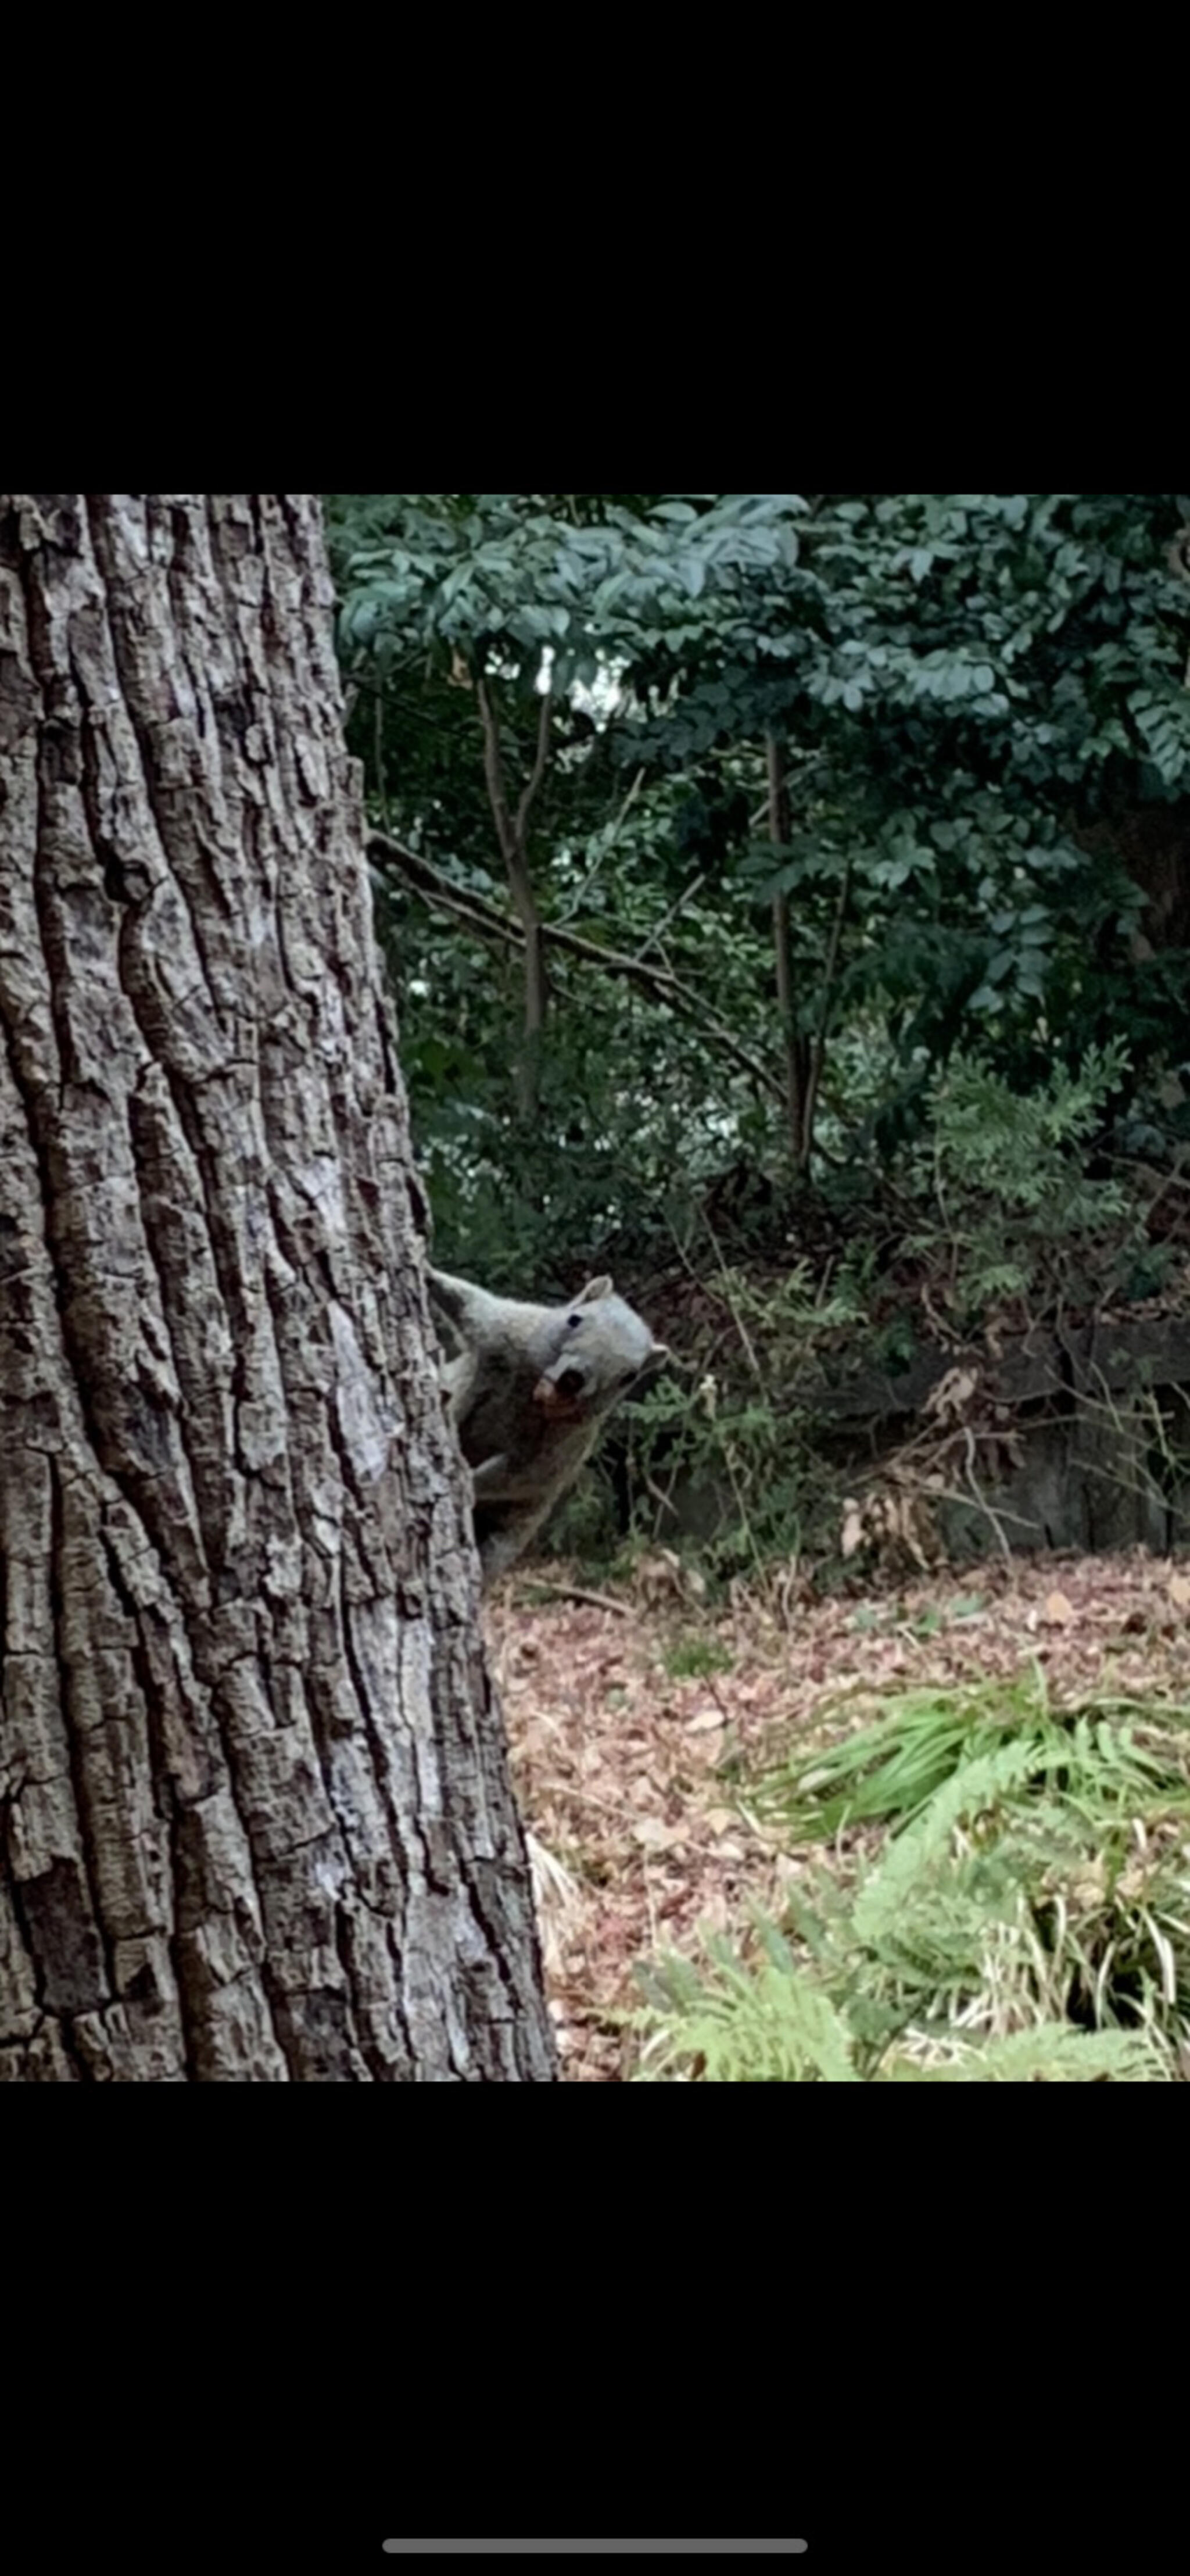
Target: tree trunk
<point>257,1821</point>
<point>1153,843</point>
<point>512,831</point>
<point>795,1051</point>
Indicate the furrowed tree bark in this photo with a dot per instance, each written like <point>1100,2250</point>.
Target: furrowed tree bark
<point>255,1814</point>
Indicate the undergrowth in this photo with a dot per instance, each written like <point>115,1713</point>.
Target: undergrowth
<point>1024,1917</point>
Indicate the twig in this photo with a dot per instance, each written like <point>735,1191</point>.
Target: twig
<point>671,915</point>
<point>586,1798</point>
<point>609,845</point>
<point>729,1301</point>
<point>981,1498</point>
<point>536,774</point>
<point>574,1592</point>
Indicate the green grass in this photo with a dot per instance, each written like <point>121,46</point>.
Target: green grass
<point>1104,1750</point>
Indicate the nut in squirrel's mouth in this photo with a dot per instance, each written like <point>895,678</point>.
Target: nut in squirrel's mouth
<point>549,1396</point>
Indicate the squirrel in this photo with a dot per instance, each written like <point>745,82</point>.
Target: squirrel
<point>527,1393</point>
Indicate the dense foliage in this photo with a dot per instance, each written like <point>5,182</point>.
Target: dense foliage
<point>743,857</point>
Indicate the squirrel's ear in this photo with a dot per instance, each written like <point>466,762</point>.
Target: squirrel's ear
<point>594,1288</point>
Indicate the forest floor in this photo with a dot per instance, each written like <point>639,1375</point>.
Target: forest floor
<point>620,1749</point>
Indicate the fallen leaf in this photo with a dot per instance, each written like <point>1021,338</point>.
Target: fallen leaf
<point>852,1535</point>
<point>1179,1591</point>
<point>1058,1610</point>
<point>653,1835</point>
<point>953,1393</point>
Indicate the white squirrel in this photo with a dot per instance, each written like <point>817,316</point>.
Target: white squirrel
<point>527,1393</point>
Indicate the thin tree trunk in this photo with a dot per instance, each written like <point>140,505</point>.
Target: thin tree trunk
<point>257,1820</point>
<point>511,832</point>
<point>818,1051</point>
<point>795,1051</point>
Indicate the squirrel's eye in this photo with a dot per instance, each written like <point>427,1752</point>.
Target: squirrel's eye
<point>573,1322</point>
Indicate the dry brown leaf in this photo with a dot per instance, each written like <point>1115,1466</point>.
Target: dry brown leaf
<point>539,1735</point>
<point>1058,1610</point>
<point>950,1398</point>
<point>1179,1591</point>
<point>653,1835</point>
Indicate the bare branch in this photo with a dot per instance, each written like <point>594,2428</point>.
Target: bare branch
<point>484,918</point>
<point>493,770</point>
<point>534,779</point>
<point>672,914</point>
<point>573,1592</point>
<point>608,846</point>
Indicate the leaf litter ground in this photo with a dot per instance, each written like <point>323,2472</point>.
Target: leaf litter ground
<point>632,1771</point>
